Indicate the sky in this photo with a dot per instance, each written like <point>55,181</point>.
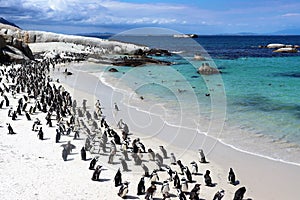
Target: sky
<point>185,16</point>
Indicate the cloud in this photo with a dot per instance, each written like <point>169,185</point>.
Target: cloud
<point>291,15</point>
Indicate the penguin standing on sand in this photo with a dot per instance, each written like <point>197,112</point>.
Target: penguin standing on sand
<point>123,190</point>
<point>40,134</point>
<point>207,178</point>
<point>173,159</point>
<point>116,107</point>
<point>188,174</point>
<point>184,185</point>
<point>202,156</point>
<point>219,195</point>
<point>176,180</point>
<point>27,116</point>
<point>57,137</point>
<point>154,177</point>
<point>181,195</point>
<point>141,187</point>
<point>93,163</point>
<point>164,152</point>
<point>239,194</point>
<point>96,173</point>
<point>64,154</point>
<point>194,194</point>
<point>165,189</point>
<point>194,167</point>
<point>118,178</point>
<point>83,153</point>
<point>10,129</point>
<point>231,177</point>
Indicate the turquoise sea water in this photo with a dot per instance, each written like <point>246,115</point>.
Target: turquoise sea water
<point>257,96</point>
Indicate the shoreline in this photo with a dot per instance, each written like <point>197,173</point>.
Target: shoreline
<point>102,79</point>
<point>280,166</point>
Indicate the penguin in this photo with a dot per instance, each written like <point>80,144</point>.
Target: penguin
<point>141,187</point>
<point>202,156</point>
<point>239,194</point>
<point>181,195</point>
<point>173,159</point>
<point>170,173</point>
<point>158,164</point>
<point>93,163</point>
<point>207,178</point>
<point>123,190</point>
<point>164,152</point>
<point>231,177</point>
<point>151,154</point>
<point>160,158</point>
<point>118,178</point>
<point>150,191</point>
<point>194,194</point>
<point>184,185</point>
<point>10,129</point>
<point>188,174</point>
<point>83,154</point>
<point>165,189</point>
<point>154,177</point>
<point>219,195</point>
<point>181,166</point>
<point>64,154</point>
<point>1,103</point>
<point>57,136</point>
<point>176,180</point>
<point>194,168</point>
<point>124,165</point>
<point>28,116</point>
<point>24,107</point>
<point>41,134</point>
<point>96,173</point>
<point>116,107</point>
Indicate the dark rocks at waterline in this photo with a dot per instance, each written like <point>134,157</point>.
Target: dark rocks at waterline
<point>113,70</point>
<point>139,61</point>
<point>152,52</point>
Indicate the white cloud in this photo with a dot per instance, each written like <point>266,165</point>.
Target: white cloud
<point>291,15</point>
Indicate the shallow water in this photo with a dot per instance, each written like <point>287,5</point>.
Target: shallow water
<point>256,98</point>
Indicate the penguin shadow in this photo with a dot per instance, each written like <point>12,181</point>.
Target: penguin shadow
<point>103,180</point>
<point>115,163</point>
<point>198,174</point>
<point>172,195</point>
<point>206,162</point>
<point>237,182</point>
<point>46,138</point>
<point>212,185</point>
<point>70,159</point>
<point>193,181</point>
<point>88,159</point>
<point>131,197</point>
<point>78,138</point>
<point>61,141</point>
<point>73,153</point>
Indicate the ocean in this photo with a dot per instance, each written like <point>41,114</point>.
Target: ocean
<point>253,105</point>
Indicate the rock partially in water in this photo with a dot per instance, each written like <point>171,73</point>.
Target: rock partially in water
<point>113,70</point>
<point>205,69</point>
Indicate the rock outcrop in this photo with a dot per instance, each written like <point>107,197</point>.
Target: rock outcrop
<point>205,69</point>
<point>286,50</point>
